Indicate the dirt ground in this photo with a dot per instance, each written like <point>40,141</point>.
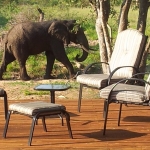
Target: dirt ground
<point>19,90</point>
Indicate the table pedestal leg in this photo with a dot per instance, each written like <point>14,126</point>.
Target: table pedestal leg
<point>52,96</point>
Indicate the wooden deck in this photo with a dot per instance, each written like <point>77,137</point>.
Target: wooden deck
<point>87,128</point>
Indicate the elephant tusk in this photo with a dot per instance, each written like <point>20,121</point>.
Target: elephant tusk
<point>92,50</point>
<point>84,49</point>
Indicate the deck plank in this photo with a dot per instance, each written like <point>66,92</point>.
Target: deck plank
<point>87,129</point>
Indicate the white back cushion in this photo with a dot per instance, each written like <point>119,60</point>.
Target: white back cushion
<point>128,51</point>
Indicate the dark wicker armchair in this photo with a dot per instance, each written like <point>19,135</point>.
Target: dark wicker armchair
<point>4,95</point>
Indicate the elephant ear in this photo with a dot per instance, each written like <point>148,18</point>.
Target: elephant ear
<point>70,24</point>
<point>60,31</point>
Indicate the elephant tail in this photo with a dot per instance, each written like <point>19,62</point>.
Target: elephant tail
<point>4,53</point>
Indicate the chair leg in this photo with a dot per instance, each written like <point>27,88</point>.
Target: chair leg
<point>36,121</point>
<point>104,109</point>
<point>32,130</point>
<point>44,124</point>
<point>6,124</point>
<point>119,114</point>
<point>80,97</point>
<point>106,115</point>
<point>5,104</point>
<point>61,117</point>
<point>68,124</point>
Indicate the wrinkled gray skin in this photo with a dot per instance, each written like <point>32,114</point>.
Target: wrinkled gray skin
<point>32,38</point>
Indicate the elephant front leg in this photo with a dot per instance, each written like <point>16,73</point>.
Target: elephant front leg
<point>49,66</point>
<point>64,60</point>
<point>70,68</point>
<point>60,54</point>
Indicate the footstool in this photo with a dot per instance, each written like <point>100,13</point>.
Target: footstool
<point>36,110</point>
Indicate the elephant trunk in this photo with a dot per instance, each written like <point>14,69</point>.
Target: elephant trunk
<point>84,55</point>
<point>82,40</point>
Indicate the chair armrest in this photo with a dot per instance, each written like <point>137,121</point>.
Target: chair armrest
<point>140,73</point>
<point>92,65</point>
<point>112,73</point>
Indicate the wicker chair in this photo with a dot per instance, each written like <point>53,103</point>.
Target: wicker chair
<point>125,61</point>
<point>4,95</point>
<point>121,93</point>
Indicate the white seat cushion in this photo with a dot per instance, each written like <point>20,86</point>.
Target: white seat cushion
<point>31,108</point>
<point>125,92</point>
<point>96,80</point>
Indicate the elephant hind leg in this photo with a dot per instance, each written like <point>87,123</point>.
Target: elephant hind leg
<point>7,59</point>
<point>23,73</point>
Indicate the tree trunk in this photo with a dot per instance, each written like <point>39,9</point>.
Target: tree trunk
<point>104,18</point>
<point>102,45</point>
<point>123,18</point>
<point>102,8</point>
<point>142,67</point>
<point>141,26</point>
<point>143,10</point>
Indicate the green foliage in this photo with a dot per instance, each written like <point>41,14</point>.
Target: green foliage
<point>116,2</point>
<point>9,9</point>
<point>14,67</point>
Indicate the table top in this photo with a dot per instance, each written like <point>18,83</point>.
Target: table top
<point>52,87</point>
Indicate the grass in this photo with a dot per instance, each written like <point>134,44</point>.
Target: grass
<point>26,87</point>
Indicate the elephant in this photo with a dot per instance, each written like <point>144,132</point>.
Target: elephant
<point>31,38</point>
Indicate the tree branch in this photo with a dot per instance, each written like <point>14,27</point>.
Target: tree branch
<point>93,4</point>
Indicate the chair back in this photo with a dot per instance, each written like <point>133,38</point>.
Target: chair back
<point>128,51</point>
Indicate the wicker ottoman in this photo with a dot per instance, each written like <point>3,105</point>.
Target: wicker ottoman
<point>36,110</point>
